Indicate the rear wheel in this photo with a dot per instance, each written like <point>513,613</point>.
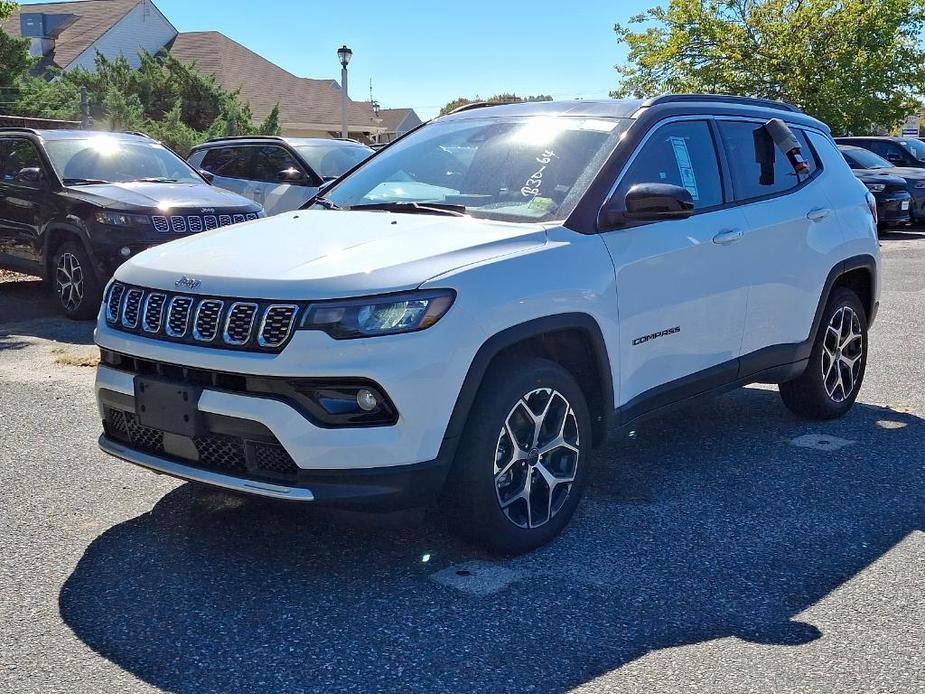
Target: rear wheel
<point>830,384</point>
<point>522,461</point>
<point>77,288</point>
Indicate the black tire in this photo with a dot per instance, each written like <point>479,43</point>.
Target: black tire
<point>78,291</point>
<point>472,502</point>
<point>809,395</point>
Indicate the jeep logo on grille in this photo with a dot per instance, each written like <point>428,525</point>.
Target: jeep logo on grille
<point>208,210</point>
<point>187,283</point>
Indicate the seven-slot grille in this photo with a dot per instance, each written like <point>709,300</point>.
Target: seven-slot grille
<point>258,326</point>
<point>154,312</point>
<point>181,224</point>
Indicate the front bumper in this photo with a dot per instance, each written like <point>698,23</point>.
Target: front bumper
<point>389,489</point>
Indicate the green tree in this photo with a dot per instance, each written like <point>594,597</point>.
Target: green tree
<point>163,97</point>
<point>855,64</point>
<point>496,99</point>
<point>15,60</point>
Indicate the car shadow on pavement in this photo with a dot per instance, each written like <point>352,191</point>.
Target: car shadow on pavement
<point>704,523</point>
<point>27,309</point>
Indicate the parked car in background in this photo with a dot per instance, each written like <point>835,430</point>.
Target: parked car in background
<point>281,173</point>
<point>880,177</point>
<point>899,151</point>
<point>76,204</point>
<point>463,330</point>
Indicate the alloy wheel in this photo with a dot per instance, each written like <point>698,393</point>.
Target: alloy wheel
<point>842,354</point>
<point>536,458</point>
<point>69,281</point>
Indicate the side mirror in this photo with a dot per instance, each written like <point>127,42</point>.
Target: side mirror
<point>649,202</point>
<point>208,175</point>
<point>31,175</point>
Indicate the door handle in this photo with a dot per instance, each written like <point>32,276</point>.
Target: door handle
<point>818,214</point>
<point>727,236</point>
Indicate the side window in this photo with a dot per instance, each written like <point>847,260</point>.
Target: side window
<point>682,154</point>
<point>270,162</point>
<point>229,162</point>
<point>16,155</point>
<point>757,166</point>
<point>887,150</point>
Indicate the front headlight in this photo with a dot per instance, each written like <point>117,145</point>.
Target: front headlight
<point>121,219</point>
<point>920,184</point>
<point>876,187</point>
<point>382,315</point>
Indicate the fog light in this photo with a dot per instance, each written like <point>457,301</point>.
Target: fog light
<point>367,400</point>
<point>125,251</point>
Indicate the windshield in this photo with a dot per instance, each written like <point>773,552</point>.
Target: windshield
<point>105,159</point>
<point>865,159</point>
<point>512,169</point>
<point>331,161</point>
<point>917,147</point>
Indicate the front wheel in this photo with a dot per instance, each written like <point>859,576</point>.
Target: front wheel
<point>830,384</point>
<point>76,286</point>
<point>523,458</point>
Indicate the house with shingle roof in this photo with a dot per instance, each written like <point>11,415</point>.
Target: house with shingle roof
<point>66,35</point>
<point>397,121</point>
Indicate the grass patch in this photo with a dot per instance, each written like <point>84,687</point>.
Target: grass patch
<point>65,357</point>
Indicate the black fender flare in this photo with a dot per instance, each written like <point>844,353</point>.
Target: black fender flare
<point>75,230</point>
<point>512,336</point>
<point>856,262</point>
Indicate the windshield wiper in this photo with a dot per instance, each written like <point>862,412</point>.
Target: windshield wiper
<point>325,203</point>
<point>156,180</point>
<point>415,208</point>
<point>82,181</point>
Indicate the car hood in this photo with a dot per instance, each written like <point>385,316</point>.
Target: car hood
<point>879,176</point>
<point>136,195</point>
<point>318,254</point>
<point>907,172</point>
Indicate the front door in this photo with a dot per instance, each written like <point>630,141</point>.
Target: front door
<point>23,186</point>
<point>681,295</point>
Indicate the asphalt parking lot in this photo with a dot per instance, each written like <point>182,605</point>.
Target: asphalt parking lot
<point>711,552</point>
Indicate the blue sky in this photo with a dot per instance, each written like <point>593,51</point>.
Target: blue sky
<point>425,54</point>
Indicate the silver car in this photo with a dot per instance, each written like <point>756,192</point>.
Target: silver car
<point>281,173</point>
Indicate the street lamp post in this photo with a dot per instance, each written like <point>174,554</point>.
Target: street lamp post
<point>376,118</point>
<point>344,54</point>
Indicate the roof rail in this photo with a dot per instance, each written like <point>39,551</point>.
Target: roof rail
<point>18,129</point>
<point>245,137</point>
<point>721,98</point>
<point>474,105</point>
<point>138,133</point>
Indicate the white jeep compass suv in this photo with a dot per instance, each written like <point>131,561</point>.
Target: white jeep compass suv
<point>460,319</point>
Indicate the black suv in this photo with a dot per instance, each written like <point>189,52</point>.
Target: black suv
<point>76,204</point>
<point>899,151</point>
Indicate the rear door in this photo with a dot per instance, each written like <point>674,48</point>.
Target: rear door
<point>23,188</point>
<point>791,230</point>
<point>680,291</point>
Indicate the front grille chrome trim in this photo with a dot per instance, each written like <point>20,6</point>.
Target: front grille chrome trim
<point>177,305</point>
<point>261,334</point>
<point>158,306</point>
<point>132,307</point>
<point>208,304</point>
<point>114,301</point>
<point>232,312</point>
